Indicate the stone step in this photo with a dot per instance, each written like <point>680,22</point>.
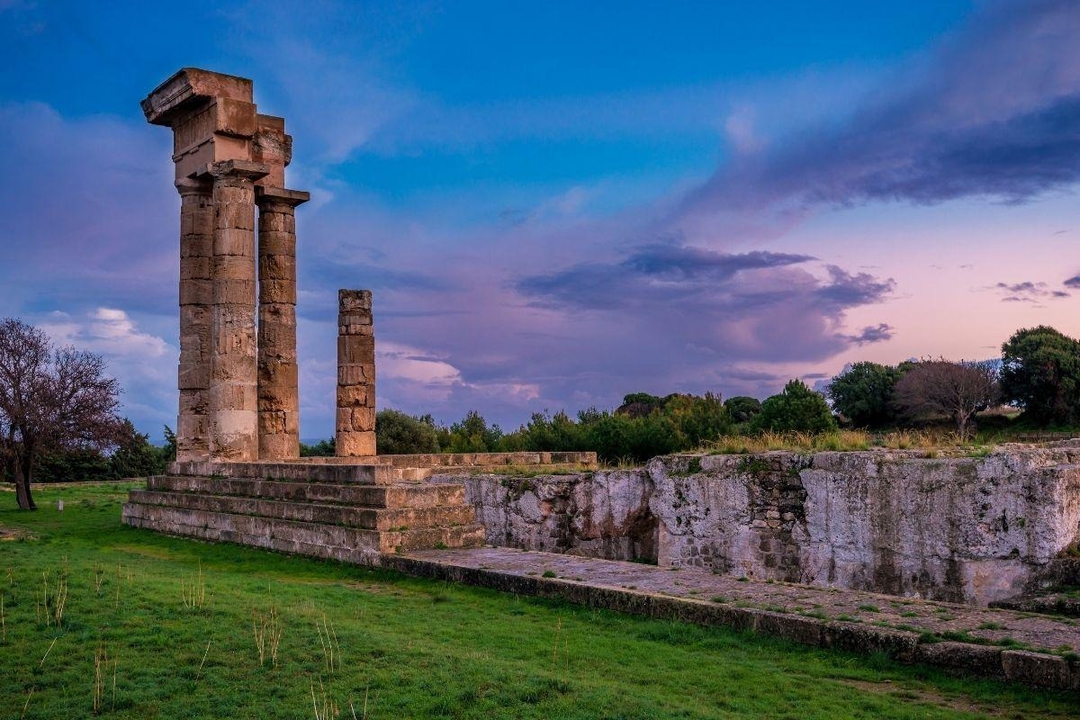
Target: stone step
<point>1067,604</point>
<point>339,474</point>
<point>383,519</point>
<point>347,544</point>
<point>375,496</point>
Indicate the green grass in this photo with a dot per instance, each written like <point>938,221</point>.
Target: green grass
<point>159,627</point>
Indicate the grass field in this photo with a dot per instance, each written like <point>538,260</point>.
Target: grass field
<point>102,619</point>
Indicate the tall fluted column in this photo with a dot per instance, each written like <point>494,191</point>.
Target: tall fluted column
<point>196,297</point>
<point>356,375</point>
<point>233,396</point>
<point>279,394</point>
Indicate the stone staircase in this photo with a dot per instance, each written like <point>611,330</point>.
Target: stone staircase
<point>351,513</point>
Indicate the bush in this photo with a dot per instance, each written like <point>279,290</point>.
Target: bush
<point>399,434</point>
<point>797,408</point>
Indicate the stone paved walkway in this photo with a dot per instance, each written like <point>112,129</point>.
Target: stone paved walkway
<point>1030,648</point>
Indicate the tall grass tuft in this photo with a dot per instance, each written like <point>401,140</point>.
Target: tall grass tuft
<point>329,642</point>
<point>53,600</point>
<point>101,668</point>
<point>267,630</point>
<point>323,704</point>
<point>193,590</point>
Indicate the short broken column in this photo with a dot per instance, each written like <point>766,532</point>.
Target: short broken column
<point>233,395</point>
<point>196,298</point>
<point>279,397</point>
<point>356,375</point>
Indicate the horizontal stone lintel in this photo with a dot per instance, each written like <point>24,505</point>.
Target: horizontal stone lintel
<point>292,198</point>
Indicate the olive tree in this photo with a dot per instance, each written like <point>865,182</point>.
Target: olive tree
<point>50,398</point>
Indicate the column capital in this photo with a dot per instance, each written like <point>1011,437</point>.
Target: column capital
<point>270,195</point>
<point>244,169</point>
<point>194,186</point>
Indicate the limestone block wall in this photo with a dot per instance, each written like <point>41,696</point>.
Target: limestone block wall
<point>960,529</point>
<point>596,514</point>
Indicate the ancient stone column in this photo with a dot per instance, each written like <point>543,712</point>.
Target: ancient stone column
<point>356,375</point>
<point>278,390</point>
<point>196,297</point>
<point>233,395</point>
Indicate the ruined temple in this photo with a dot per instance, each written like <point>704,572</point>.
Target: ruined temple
<point>238,475</point>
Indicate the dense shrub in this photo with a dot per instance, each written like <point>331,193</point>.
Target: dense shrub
<point>397,433</point>
<point>796,408</point>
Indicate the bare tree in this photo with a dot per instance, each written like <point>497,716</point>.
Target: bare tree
<point>50,398</point>
<point>935,388</point>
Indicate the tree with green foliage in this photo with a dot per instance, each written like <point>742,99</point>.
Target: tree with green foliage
<point>637,405</point>
<point>939,388</point>
<point>863,394</point>
<point>796,408</point>
<point>1040,372</point>
<point>323,448</point>
<point>742,409</point>
<point>697,420</point>
<point>397,433</point>
<point>470,435</point>
<point>134,456</point>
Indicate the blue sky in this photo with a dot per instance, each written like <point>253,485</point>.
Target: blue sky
<point>560,203</point>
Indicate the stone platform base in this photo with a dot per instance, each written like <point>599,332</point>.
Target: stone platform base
<point>352,511</point>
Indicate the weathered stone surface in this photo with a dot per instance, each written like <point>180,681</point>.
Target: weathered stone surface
<point>355,425</point>
<point>602,514</point>
<point>279,392</point>
<point>968,530</point>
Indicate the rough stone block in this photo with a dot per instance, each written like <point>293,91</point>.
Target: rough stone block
<point>232,240</point>
<point>279,447</point>
<point>235,291</point>
<point>195,267</point>
<point>196,291</point>
<point>231,267</point>
<point>193,376</point>
<point>280,291</point>
<point>271,422</point>
<point>353,373</point>
<point>197,245</point>
<point>1048,671</point>
<point>363,419</point>
<point>234,396</point>
<point>239,216</point>
<point>355,444</point>
<point>352,300</point>
<point>354,396</point>
<point>356,349</point>
<point>277,267</point>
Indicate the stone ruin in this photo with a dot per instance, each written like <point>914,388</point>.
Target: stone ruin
<point>238,475</point>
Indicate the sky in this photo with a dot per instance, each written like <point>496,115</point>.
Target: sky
<point>556,204</point>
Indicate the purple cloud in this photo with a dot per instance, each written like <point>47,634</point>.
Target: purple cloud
<point>1028,291</point>
<point>999,117</point>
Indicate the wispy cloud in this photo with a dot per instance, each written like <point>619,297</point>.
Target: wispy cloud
<point>992,112</point>
<point>1028,291</point>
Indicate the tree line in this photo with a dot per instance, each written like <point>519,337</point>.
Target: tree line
<point>1038,373</point>
<point>59,420</point>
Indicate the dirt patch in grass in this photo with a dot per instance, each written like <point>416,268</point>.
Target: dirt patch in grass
<point>15,534</point>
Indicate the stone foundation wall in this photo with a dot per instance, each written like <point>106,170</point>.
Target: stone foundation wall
<point>960,529</point>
